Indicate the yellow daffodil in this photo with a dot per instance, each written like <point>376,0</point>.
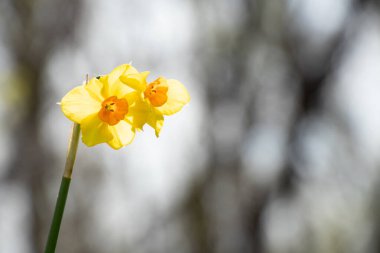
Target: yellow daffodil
<point>106,109</point>
<point>162,97</point>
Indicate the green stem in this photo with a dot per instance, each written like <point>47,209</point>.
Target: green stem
<point>63,190</point>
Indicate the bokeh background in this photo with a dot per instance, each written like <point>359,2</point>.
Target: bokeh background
<point>278,150</point>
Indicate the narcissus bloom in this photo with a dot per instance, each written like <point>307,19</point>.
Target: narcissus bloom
<point>110,108</point>
<point>162,97</point>
<point>106,109</point>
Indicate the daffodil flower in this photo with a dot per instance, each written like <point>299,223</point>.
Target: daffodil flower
<point>109,109</point>
<point>106,109</point>
<point>162,97</point>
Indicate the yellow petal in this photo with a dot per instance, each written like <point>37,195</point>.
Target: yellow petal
<point>132,97</point>
<point>136,81</point>
<point>78,104</point>
<point>112,84</point>
<point>95,131</point>
<point>123,134</point>
<point>118,71</point>
<point>138,114</point>
<point>130,70</point>
<point>177,98</point>
<point>119,89</point>
<point>94,88</point>
<point>155,120</point>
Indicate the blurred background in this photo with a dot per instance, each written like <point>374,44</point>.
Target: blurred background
<point>278,150</point>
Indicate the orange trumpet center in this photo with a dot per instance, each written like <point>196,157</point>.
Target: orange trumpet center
<point>113,110</point>
<point>156,92</point>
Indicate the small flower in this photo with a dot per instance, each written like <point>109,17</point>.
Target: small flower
<point>106,109</point>
<point>160,97</point>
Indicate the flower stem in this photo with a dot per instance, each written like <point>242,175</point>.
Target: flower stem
<point>63,190</point>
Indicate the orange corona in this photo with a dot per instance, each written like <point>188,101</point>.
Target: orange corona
<point>113,110</point>
<point>156,92</point>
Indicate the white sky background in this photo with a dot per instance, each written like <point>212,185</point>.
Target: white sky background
<point>146,178</point>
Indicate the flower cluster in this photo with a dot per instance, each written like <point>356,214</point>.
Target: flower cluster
<point>112,107</point>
